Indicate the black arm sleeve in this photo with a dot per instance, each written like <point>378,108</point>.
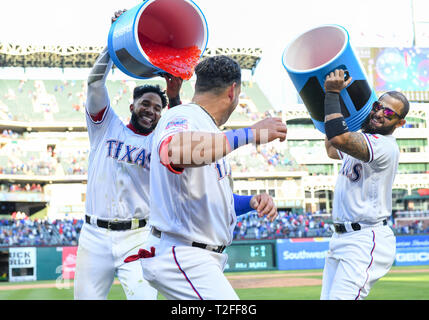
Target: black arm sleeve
<point>336,126</point>
<point>332,103</point>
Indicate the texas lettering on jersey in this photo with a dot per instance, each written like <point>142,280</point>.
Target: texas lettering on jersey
<point>130,154</point>
<point>351,171</point>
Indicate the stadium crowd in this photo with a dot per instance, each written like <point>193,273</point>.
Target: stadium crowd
<point>23,231</point>
<point>69,95</point>
<point>20,230</point>
<point>41,99</point>
<point>60,162</point>
<point>18,187</point>
<point>287,225</point>
<point>16,159</point>
<point>292,225</point>
<point>262,158</point>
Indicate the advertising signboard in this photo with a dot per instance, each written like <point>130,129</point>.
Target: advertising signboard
<point>412,250</point>
<point>251,256</point>
<point>22,264</point>
<point>69,262</point>
<point>301,253</point>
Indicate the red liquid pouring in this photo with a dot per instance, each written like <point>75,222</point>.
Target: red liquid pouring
<point>178,62</point>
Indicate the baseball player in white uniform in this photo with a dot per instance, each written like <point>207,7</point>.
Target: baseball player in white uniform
<point>117,202</point>
<point>362,250</point>
<point>194,216</point>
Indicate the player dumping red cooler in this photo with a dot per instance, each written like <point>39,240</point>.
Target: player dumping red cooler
<point>117,201</point>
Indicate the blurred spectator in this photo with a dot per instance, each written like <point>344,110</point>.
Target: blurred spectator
<point>414,227</point>
<point>54,160</point>
<point>291,225</point>
<point>17,187</point>
<point>9,134</point>
<point>262,158</point>
<point>22,231</point>
<point>287,225</point>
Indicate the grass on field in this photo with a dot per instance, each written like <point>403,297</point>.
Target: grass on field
<point>394,286</point>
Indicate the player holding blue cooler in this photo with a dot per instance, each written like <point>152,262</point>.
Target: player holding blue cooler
<point>362,249</point>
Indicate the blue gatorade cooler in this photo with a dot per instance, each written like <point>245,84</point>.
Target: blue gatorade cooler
<point>310,57</point>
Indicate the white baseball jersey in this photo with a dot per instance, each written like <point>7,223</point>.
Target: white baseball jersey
<point>363,192</point>
<point>117,189</point>
<point>118,177</point>
<point>196,203</point>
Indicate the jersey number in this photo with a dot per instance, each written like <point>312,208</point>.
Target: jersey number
<point>223,169</point>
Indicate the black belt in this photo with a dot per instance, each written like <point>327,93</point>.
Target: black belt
<point>117,225</point>
<point>341,228</point>
<point>219,249</point>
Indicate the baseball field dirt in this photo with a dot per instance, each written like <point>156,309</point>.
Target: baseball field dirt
<point>241,281</point>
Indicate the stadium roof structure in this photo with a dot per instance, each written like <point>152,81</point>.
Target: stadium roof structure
<point>51,56</point>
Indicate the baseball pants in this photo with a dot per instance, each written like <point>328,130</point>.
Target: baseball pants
<point>100,255</point>
<point>182,272</point>
<point>355,261</point>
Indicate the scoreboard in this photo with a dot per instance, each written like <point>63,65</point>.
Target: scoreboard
<point>251,256</point>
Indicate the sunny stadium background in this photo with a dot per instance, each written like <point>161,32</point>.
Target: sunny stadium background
<point>44,152</point>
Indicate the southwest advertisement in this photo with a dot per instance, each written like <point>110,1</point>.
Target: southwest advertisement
<point>310,253</point>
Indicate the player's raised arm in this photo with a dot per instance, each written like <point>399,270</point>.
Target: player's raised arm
<point>185,142</point>
<point>331,150</point>
<point>174,84</point>
<point>193,149</point>
<point>337,131</point>
<point>97,97</point>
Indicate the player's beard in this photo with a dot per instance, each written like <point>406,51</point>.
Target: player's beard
<point>368,128</point>
<point>144,130</point>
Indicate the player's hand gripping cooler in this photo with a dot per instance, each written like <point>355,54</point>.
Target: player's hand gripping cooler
<point>158,37</point>
<point>310,57</point>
